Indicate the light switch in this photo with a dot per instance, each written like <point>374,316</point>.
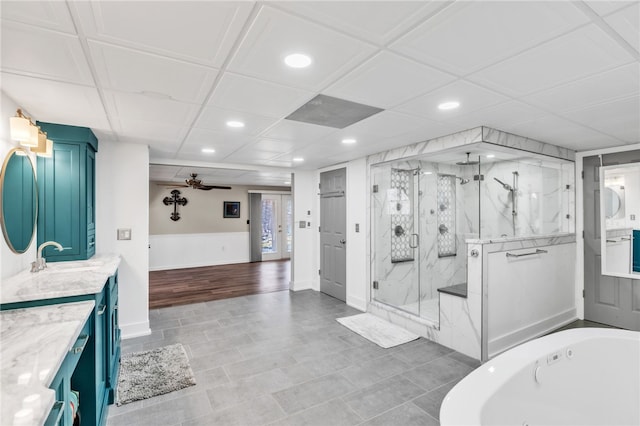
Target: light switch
<point>124,234</point>
<point>357,227</point>
<point>302,224</point>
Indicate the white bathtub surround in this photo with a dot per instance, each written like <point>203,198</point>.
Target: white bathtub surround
<point>381,332</point>
<point>60,279</point>
<point>175,251</point>
<point>579,376</point>
<point>527,289</point>
<point>35,342</point>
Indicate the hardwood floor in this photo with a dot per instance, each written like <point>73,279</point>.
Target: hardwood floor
<point>191,285</point>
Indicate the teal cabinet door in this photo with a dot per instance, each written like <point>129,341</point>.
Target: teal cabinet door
<point>66,193</point>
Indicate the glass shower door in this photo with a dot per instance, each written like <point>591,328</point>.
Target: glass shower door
<point>395,238</point>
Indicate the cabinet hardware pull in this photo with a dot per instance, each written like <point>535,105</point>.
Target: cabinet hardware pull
<point>538,251</point>
<point>78,349</point>
<point>611,241</point>
<point>102,309</point>
<point>625,238</point>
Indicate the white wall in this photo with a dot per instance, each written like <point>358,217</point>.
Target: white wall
<point>304,270</point>
<point>122,189</point>
<point>10,262</point>
<point>175,251</point>
<point>357,262</point>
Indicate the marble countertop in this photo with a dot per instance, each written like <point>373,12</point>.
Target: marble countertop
<point>33,344</point>
<point>60,279</point>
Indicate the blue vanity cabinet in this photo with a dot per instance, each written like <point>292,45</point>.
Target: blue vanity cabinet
<point>96,373</point>
<point>66,193</point>
<point>61,414</point>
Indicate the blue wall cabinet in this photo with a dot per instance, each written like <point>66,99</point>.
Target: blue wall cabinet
<point>93,373</point>
<point>66,193</point>
<point>636,251</point>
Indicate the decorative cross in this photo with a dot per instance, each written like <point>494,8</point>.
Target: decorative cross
<point>175,199</point>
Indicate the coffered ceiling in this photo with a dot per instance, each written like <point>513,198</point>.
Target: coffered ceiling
<point>171,74</point>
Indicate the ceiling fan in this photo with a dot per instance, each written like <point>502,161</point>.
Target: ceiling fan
<point>196,183</point>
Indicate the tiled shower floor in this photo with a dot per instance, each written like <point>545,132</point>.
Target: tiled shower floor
<point>282,359</point>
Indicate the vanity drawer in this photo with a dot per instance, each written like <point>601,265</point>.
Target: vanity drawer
<point>71,361</point>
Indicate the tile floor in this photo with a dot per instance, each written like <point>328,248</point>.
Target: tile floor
<point>282,359</point>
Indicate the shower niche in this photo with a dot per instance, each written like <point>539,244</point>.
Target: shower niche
<point>427,208</point>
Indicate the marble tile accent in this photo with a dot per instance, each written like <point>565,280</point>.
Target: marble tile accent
<point>60,279</point>
<point>526,144</point>
<point>34,343</point>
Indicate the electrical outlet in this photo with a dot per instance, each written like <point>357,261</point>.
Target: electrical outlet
<point>124,234</point>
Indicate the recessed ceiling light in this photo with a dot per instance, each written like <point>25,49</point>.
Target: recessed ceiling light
<point>208,150</point>
<point>297,60</point>
<point>449,105</point>
<point>490,155</point>
<point>235,124</point>
<point>298,159</point>
<point>348,141</point>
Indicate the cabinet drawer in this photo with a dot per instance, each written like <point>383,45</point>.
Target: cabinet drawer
<point>71,361</point>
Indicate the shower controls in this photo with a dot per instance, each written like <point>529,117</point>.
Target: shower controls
<point>398,231</point>
<point>443,229</point>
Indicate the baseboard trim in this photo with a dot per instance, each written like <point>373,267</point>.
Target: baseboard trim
<point>299,285</point>
<point>357,303</point>
<point>129,331</point>
<point>198,264</point>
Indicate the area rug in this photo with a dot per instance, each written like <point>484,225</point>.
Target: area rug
<point>154,372</point>
<point>377,330</point>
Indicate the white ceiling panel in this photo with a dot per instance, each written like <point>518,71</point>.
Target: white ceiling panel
<point>272,145</point>
<point>199,31</point>
<point>559,131</point>
<point>43,53</point>
<point>626,22</point>
<point>44,14</point>
<point>276,34</point>
<point>376,21</point>
<point>298,132</point>
<point>56,102</point>
<point>470,96</point>
<point>149,108</point>
<point>256,96</point>
<point>154,134</point>
<point>224,143</point>
<point>214,118</point>
<point>250,155</point>
<point>370,83</point>
<point>497,116</point>
<point>580,53</point>
<point>616,83</point>
<point>132,71</point>
<point>388,124</point>
<point>619,118</point>
<point>605,7</point>
<point>471,35</point>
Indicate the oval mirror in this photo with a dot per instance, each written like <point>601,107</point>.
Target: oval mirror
<point>19,200</point>
<point>611,203</point>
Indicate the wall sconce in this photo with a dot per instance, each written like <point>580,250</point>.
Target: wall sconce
<point>28,134</point>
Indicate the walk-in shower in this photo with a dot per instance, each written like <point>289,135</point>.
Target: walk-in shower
<point>425,209</point>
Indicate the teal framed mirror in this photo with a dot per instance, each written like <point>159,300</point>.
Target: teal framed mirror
<point>19,200</point>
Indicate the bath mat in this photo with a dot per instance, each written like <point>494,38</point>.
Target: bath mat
<point>377,330</point>
<point>152,373</point>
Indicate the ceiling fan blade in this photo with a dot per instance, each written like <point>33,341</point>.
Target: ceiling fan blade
<point>172,185</point>
<point>210,187</point>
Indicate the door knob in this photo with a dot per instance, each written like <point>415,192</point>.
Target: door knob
<point>343,241</point>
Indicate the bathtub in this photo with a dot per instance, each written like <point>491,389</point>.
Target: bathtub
<point>586,376</point>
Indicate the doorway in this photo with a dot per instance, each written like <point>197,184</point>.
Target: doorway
<point>333,230</point>
<point>276,223</point>
<point>607,299</point>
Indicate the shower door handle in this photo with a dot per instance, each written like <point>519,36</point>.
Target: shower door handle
<point>416,238</point>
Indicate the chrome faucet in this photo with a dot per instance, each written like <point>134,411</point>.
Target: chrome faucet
<point>41,262</point>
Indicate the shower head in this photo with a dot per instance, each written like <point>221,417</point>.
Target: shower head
<point>463,181</point>
<point>504,185</point>
<point>467,162</point>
